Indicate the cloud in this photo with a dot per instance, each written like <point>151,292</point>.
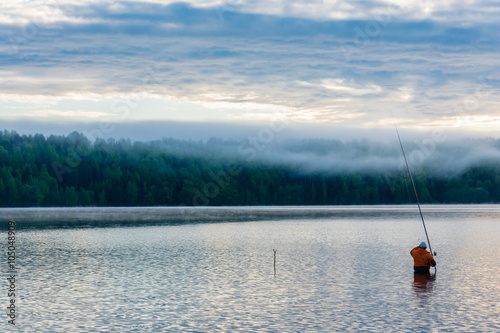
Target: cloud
<point>350,63</point>
<point>456,10</point>
<point>58,113</point>
<point>342,87</point>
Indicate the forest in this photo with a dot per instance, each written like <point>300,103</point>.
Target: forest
<point>39,171</point>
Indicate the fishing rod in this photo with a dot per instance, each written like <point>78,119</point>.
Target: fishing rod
<point>414,188</point>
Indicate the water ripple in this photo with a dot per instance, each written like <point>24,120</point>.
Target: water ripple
<point>332,275</point>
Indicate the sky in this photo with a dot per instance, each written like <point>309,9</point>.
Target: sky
<point>151,69</point>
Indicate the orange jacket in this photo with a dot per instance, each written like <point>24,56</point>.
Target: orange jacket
<point>422,257</point>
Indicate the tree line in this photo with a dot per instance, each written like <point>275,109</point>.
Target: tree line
<point>39,171</point>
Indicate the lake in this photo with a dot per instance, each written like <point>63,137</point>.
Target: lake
<point>345,269</point>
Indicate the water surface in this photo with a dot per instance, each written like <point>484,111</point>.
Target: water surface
<point>349,272</point>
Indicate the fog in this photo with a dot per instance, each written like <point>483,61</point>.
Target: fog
<point>305,148</point>
<point>156,130</point>
<point>437,157</point>
<point>55,217</point>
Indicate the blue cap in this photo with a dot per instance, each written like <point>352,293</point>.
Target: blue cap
<point>423,245</point>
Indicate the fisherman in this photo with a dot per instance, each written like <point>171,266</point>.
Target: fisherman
<point>422,259</point>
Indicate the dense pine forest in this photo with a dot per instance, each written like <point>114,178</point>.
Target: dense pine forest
<point>73,171</point>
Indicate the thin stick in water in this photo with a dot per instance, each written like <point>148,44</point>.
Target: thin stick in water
<point>275,261</point>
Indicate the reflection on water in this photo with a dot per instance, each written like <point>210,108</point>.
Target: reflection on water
<point>423,288</point>
<point>423,284</point>
<point>345,274</point>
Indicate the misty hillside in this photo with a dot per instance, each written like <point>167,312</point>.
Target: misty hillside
<point>311,156</point>
<point>73,171</point>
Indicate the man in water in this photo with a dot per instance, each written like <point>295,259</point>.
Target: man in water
<point>422,259</point>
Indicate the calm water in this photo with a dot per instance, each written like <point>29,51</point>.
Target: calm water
<point>350,273</point>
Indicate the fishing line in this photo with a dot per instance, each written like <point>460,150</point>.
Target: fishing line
<point>413,184</point>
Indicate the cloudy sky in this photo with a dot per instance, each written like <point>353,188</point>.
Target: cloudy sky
<point>315,65</point>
